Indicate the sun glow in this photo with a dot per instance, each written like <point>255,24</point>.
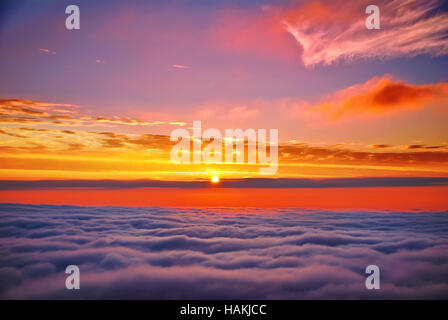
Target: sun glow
<point>215,179</point>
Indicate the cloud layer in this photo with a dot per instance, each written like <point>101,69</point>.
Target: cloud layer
<point>67,143</point>
<point>160,253</point>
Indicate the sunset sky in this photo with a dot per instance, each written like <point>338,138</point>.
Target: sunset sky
<point>101,102</point>
<point>87,177</point>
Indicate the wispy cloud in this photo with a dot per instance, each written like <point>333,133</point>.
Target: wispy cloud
<point>333,31</point>
<point>178,67</point>
<point>128,121</point>
<point>17,111</point>
<point>330,31</point>
<point>47,51</point>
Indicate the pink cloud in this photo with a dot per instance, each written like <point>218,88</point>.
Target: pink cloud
<point>258,32</point>
<point>329,32</point>
<point>175,67</point>
<point>180,66</point>
<point>47,51</point>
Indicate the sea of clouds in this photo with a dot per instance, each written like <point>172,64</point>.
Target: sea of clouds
<point>167,253</point>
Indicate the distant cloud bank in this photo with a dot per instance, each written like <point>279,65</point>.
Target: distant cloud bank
<point>230,183</point>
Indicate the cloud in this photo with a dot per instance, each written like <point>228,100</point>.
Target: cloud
<point>424,147</point>
<point>380,146</point>
<point>89,151</point>
<point>97,143</point>
<point>152,141</point>
<point>168,253</point>
<point>20,111</point>
<point>178,67</point>
<point>128,121</point>
<point>304,153</point>
<point>257,31</point>
<point>326,32</point>
<point>242,112</point>
<point>380,96</point>
<point>229,183</point>
<point>12,134</point>
<point>178,123</point>
<point>333,31</point>
<point>47,51</point>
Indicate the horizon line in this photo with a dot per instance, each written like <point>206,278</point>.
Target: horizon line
<point>245,183</point>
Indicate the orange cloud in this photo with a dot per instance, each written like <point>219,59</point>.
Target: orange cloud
<point>127,121</point>
<point>16,111</point>
<point>304,153</point>
<point>7,133</point>
<point>380,146</point>
<point>55,153</point>
<point>30,151</point>
<point>380,96</point>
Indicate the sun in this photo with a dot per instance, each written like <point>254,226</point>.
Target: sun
<point>215,179</point>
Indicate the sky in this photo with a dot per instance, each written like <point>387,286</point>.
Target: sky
<point>101,102</point>
<point>86,176</point>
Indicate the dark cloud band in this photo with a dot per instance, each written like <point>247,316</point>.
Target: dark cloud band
<point>230,183</point>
